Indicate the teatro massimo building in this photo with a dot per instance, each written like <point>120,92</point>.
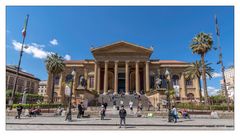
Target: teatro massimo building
<point>123,68</point>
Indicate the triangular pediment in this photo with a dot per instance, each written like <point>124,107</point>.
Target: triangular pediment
<point>122,47</point>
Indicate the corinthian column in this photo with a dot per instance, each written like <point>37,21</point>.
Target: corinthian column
<point>137,78</point>
<point>106,78</point>
<point>147,76</point>
<point>95,75</point>
<point>115,77</point>
<point>98,78</point>
<point>126,77</point>
<point>183,87</point>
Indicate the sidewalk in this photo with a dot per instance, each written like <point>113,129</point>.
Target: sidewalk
<point>10,120</point>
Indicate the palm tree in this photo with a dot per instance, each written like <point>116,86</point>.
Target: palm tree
<point>54,65</point>
<point>201,44</point>
<point>195,71</point>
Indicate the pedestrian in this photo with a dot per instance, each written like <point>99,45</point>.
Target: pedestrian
<point>102,112</point>
<point>121,102</point>
<point>140,106</point>
<point>159,106</point>
<point>174,114</point>
<point>122,115</point>
<point>19,111</point>
<point>105,105</point>
<point>114,104</point>
<point>185,114</point>
<point>131,105</point>
<point>80,110</point>
<point>149,105</point>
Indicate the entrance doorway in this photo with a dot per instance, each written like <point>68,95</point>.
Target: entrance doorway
<point>121,82</point>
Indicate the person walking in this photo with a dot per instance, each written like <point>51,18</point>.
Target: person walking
<point>122,115</point>
<point>19,111</point>
<point>121,102</point>
<point>114,104</point>
<point>102,112</point>
<point>174,114</point>
<point>80,110</point>
<point>131,105</point>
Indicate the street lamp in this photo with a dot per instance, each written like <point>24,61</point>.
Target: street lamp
<point>167,73</point>
<point>69,114</point>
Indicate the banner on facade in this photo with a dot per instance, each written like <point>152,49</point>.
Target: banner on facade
<point>67,90</point>
<point>176,90</point>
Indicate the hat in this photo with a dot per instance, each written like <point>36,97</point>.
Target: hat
<point>122,106</point>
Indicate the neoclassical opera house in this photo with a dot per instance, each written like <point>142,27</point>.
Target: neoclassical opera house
<point>123,68</point>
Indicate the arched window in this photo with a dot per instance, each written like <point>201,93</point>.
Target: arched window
<point>175,79</point>
<point>68,78</point>
<point>82,81</point>
<point>164,83</point>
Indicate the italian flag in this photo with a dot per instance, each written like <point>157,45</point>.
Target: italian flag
<point>24,31</point>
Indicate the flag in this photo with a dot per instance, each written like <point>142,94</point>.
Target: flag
<point>24,31</point>
<point>216,23</point>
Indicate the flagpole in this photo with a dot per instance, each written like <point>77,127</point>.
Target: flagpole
<point>221,62</point>
<point>11,100</point>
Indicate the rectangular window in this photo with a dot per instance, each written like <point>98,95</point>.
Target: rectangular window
<point>189,82</point>
<point>91,85</point>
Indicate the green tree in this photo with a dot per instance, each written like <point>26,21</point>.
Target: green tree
<point>195,71</point>
<point>201,44</point>
<point>54,65</point>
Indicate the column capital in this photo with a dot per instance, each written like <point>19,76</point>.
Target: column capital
<point>127,61</point>
<point>106,61</point>
<point>116,61</point>
<point>137,61</point>
<point>148,61</point>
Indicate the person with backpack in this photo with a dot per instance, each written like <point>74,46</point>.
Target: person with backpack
<point>19,111</point>
<point>80,110</point>
<point>174,113</point>
<point>122,115</point>
<point>102,112</point>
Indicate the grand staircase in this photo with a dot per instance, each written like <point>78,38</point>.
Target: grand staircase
<point>136,99</point>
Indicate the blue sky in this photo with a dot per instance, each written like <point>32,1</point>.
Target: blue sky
<point>72,31</point>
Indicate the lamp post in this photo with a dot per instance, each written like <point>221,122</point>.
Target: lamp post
<point>167,73</point>
<point>69,114</point>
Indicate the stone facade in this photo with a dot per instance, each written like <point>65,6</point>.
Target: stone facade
<point>25,80</point>
<point>124,68</point>
<point>229,76</point>
<point>42,87</point>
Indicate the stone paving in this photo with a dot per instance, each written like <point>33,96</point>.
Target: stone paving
<point>115,128</point>
<point>133,122</point>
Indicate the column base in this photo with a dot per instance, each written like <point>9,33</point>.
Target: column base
<point>127,93</point>
<point>138,93</point>
<point>104,93</point>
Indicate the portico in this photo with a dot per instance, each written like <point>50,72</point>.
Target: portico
<point>130,59</point>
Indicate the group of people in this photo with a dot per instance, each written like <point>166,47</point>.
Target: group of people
<point>32,112</point>
<point>175,115</point>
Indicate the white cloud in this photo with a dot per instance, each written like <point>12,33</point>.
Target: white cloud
<point>216,75</point>
<point>211,91</point>
<point>33,49</point>
<point>54,42</point>
<point>67,57</point>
